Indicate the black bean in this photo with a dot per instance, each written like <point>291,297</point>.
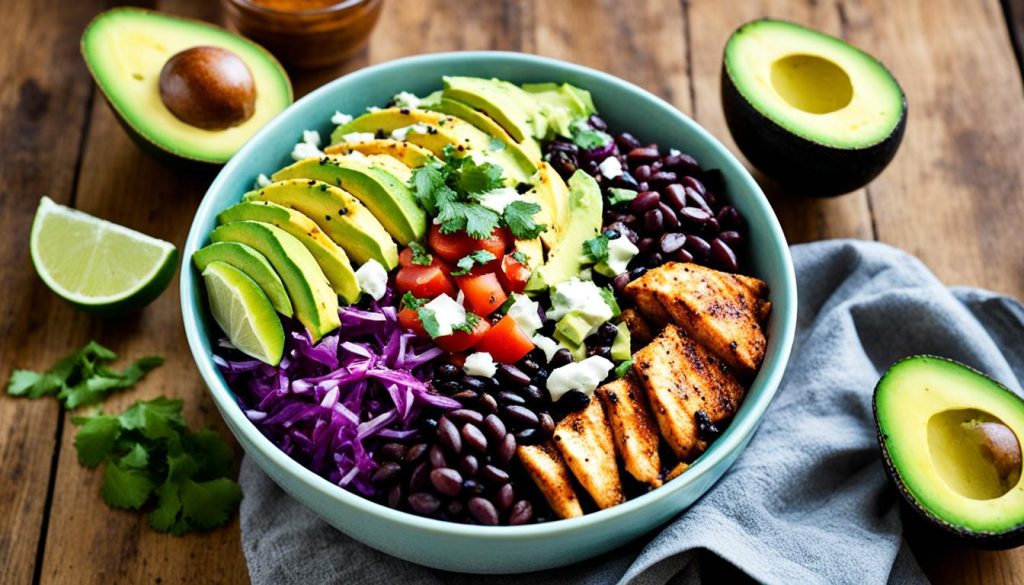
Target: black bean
<point>447,386</point>
<point>529,366</point>
<point>642,173</point>
<point>653,260</point>
<point>625,181</point>
<point>474,438</point>
<point>540,379</point>
<point>487,404</point>
<point>607,332</point>
<point>603,350</point>
<point>653,221</point>
<point>513,375</point>
<point>669,216</point>
<point>644,245</point>
<point>637,271</point>
<point>644,201</point>
<point>448,435</point>
<point>694,216</point>
<point>563,162</point>
<point>642,186</point>
<point>643,155</point>
<point>395,496</point>
<point>534,393</point>
<point>392,452</point>
<point>428,426</point>
<point>465,396</point>
<point>436,457</point>
<point>711,198</point>
<point>723,256</point>
<point>624,230</point>
<point>469,464</point>
<point>464,415</point>
<point>474,383</point>
<point>420,476</point>
<point>529,437</point>
<point>619,282</point>
<point>626,142</point>
<point>494,475</point>
<point>561,357</point>
<point>671,242</point>
<point>681,163</point>
<point>506,397</point>
<point>729,218</point>
<point>522,513</point>
<point>675,196</point>
<point>505,497</point>
<point>661,178</point>
<point>731,237</point>
<point>416,452</point>
<point>446,481</point>
<point>446,371</point>
<point>572,401</point>
<point>655,167</point>
<point>506,449</point>
<point>698,247</point>
<point>693,183</point>
<point>473,486</point>
<point>424,503</point>
<point>520,416</point>
<point>387,473</point>
<point>695,199</point>
<point>546,424</point>
<point>563,145</point>
<point>483,511</point>
<point>597,123</point>
<point>456,508</point>
<point>494,427</point>
<point>683,256</point>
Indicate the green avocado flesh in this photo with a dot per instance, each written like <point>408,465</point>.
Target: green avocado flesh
<point>527,149</point>
<point>125,50</point>
<point>950,439</point>
<point>407,153</point>
<point>252,264</point>
<point>814,85</point>
<point>565,258</point>
<point>315,302</point>
<point>332,259</point>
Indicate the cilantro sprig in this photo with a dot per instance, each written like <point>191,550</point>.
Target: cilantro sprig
<point>150,457</point>
<point>420,256</point>
<point>81,378</point>
<point>467,262</point>
<point>450,189</point>
<point>596,249</point>
<point>587,137</point>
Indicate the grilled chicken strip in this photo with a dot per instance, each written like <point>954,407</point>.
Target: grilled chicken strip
<point>633,428</point>
<point>585,440</point>
<point>546,467</point>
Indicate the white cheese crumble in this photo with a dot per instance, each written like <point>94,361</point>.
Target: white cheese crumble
<point>311,137</point>
<point>340,119</point>
<point>372,108</point>
<point>610,167</point>
<point>448,312</point>
<point>405,99</point>
<point>498,199</point>
<point>262,180</point>
<point>579,295</point>
<point>583,376</point>
<point>372,279</point>
<point>620,252</point>
<point>480,364</point>
<point>547,345</point>
<point>524,312</point>
<point>673,152</point>
<point>357,137</point>
<point>402,133</point>
<point>304,150</point>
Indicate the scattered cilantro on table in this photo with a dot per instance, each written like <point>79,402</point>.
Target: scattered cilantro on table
<point>450,189</point>
<point>467,262</point>
<point>81,378</point>
<point>151,457</point>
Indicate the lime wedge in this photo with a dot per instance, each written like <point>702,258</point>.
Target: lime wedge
<point>96,265</point>
<point>244,313</point>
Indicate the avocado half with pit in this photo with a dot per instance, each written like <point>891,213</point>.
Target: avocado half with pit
<point>183,87</point>
<point>950,443</point>
<point>807,109</point>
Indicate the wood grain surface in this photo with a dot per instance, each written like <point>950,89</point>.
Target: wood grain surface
<point>954,196</point>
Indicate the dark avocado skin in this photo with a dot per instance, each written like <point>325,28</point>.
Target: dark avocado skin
<point>801,166</point>
<point>983,540</point>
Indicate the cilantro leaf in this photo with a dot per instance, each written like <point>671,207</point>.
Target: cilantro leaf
<point>520,257</point>
<point>588,138</point>
<point>31,384</point>
<point>126,488</point>
<point>518,216</point>
<point>154,419</point>
<point>420,256</point>
<point>474,178</point>
<point>477,221</point>
<point>95,440</point>
<point>596,249</point>
<point>411,301</point>
<point>209,504</point>
<point>137,458</point>
<point>214,457</point>
<point>469,324</point>
<point>466,263</point>
<point>617,195</point>
<point>429,321</point>
<point>165,518</point>
<point>609,298</point>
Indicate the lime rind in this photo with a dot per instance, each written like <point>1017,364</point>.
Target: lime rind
<point>244,313</point>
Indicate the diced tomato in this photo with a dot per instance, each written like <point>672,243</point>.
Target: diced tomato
<point>451,247</point>
<point>457,359</point>
<point>483,293</point>
<point>461,341</point>
<point>513,274</point>
<point>506,342</point>
<point>426,282</point>
<point>410,319</point>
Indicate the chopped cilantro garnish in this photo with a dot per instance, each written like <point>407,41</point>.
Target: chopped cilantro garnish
<point>518,217</point>
<point>466,263</point>
<point>420,256</point>
<point>519,257</point>
<point>81,378</point>
<point>609,298</point>
<point>617,195</point>
<point>596,249</point>
<point>429,321</point>
<point>469,324</point>
<point>474,179</point>
<point>588,138</point>
<point>151,457</point>
<point>411,301</point>
<point>623,368</point>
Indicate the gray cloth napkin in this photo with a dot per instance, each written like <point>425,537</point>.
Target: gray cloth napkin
<point>807,502</point>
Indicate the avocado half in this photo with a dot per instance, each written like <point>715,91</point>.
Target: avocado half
<point>809,110</point>
<point>950,442</point>
<point>126,49</point>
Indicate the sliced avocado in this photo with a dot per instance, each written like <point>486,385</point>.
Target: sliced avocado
<point>506,103</point>
<point>551,193</point>
<point>387,198</point>
<point>561,105</point>
<point>564,259</point>
<point>809,110</point>
<point>573,327</point>
<point>332,259</point>
<point>315,303</point>
<point>253,264</point>
<point>621,347</point>
<point>392,165</point>
<point>950,439</point>
<point>340,215</point>
<point>441,130</point>
<point>528,148</point>
<point>126,49</point>
<point>409,154</point>
<point>533,250</point>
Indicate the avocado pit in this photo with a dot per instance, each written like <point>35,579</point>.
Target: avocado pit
<point>208,87</point>
<point>974,453</point>
<point>811,83</point>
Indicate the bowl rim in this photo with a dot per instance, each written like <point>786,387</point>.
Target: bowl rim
<point>739,431</point>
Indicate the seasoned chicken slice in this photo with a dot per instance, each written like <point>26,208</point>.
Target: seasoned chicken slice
<point>633,428</point>
<point>676,471</point>
<point>547,469</point>
<point>722,311</point>
<point>585,441</point>
<point>641,332</point>
<point>686,385</point>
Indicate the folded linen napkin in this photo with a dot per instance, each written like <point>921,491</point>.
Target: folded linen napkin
<point>807,502</point>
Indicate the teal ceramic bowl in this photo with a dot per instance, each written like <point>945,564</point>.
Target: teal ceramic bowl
<point>479,549</point>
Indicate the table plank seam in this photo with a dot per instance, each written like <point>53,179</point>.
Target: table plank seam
<point>1010,16</point>
<point>684,6</point>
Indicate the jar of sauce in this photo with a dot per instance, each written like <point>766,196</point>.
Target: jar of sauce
<point>305,34</point>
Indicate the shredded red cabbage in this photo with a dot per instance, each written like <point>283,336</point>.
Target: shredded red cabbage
<point>330,406</point>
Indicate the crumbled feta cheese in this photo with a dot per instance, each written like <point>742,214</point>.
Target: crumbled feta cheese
<point>405,99</point>
<point>357,137</point>
<point>311,137</point>
<point>620,252</point>
<point>262,180</point>
<point>340,119</point>
<point>610,167</point>
<point>402,133</point>
<point>372,108</point>
<point>547,345</point>
<point>673,152</point>
<point>480,364</point>
<point>583,376</point>
<point>448,312</point>
<point>587,274</point>
<point>372,279</point>
<point>524,312</point>
<point>498,199</point>
<point>304,150</point>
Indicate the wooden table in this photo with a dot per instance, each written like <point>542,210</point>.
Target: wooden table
<point>954,196</point>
